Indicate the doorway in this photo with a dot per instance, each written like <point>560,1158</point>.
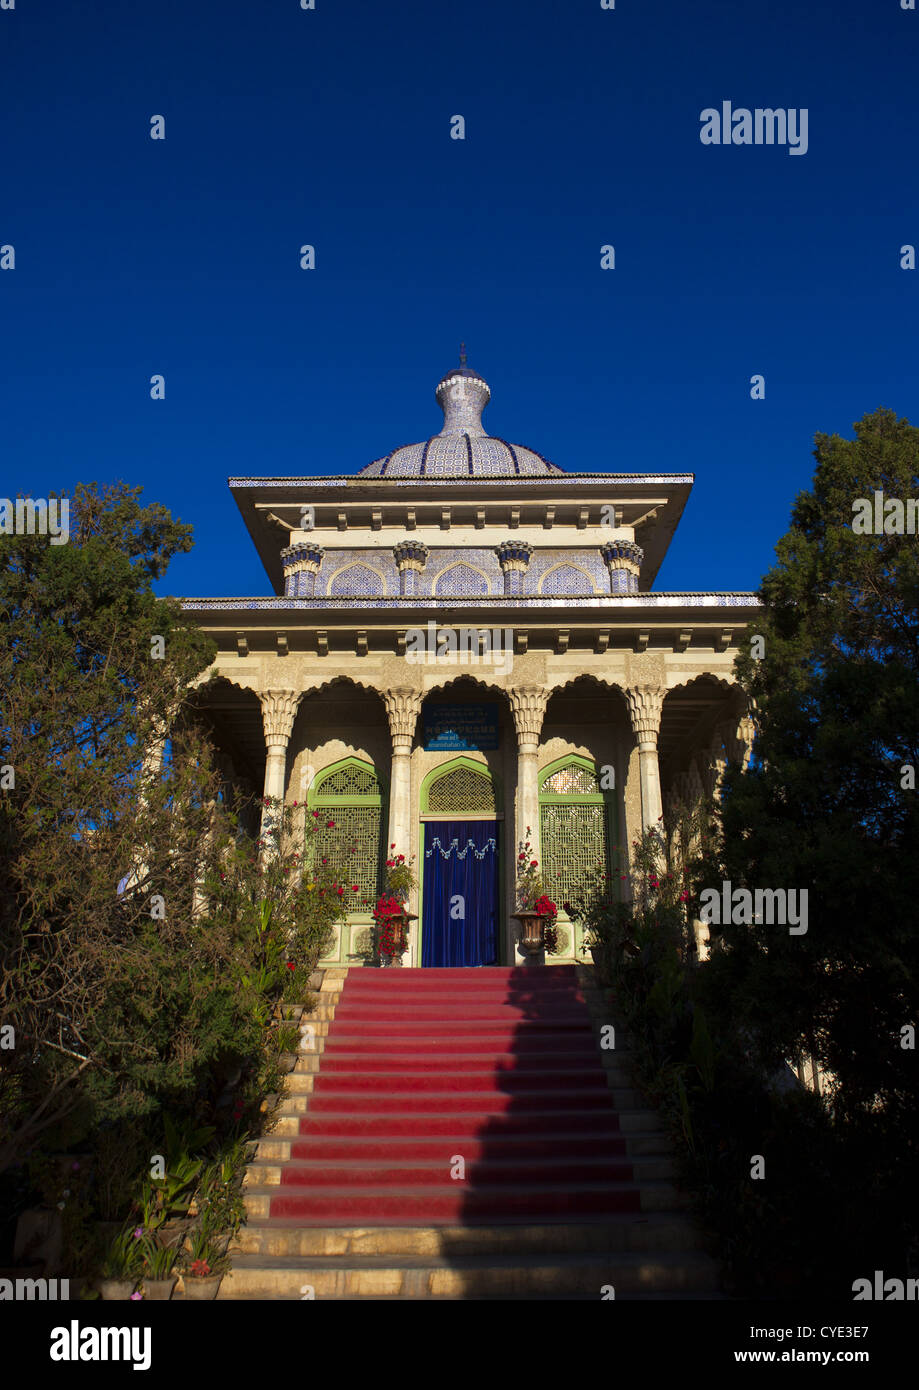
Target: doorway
<point>460,898</point>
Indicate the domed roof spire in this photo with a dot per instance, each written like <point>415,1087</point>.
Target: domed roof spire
<point>463,449</point>
<point>462,396</point>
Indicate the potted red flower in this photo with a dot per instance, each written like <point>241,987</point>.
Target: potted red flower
<point>536,912</point>
<point>390,913</point>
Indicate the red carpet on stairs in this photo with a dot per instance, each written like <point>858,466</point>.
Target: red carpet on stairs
<point>429,1072</point>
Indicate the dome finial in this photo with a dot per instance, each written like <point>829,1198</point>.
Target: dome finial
<point>462,354</point>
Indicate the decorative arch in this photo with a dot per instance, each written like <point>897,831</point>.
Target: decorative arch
<point>462,579</point>
<point>602,682</point>
<point>459,789</point>
<point>490,686</point>
<point>349,798</point>
<point>566,578</point>
<point>317,684</point>
<point>577,823</point>
<point>724,683</point>
<point>357,579</point>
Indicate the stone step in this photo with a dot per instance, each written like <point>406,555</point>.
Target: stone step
<point>380,1173</point>
<point>277,1149</point>
<point>336,1061</point>
<point>451,1043</point>
<point>324,1010</point>
<point>293,1110</point>
<point>304,1080</point>
<point>457,997</point>
<point>445,1205</point>
<point>463,1276</point>
<point>407,1025</point>
<point>654,1231</point>
<point>320,1026</point>
<point>495,1103</point>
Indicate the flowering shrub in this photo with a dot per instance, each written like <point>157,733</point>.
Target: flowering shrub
<point>390,925</point>
<point>400,880</point>
<point>529,878</point>
<point>387,914</point>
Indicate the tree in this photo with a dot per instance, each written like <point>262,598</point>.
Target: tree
<point>826,805</point>
<point>144,942</point>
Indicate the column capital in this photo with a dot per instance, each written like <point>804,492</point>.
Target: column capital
<point>410,554</point>
<point>514,555</point>
<point>403,706</point>
<point>623,559</point>
<point>528,704</point>
<point>645,704</point>
<point>279,707</point>
<point>302,555</point>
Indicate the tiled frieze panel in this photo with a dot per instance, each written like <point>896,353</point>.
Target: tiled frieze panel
<point>357,579</point>
<point>371,573</point>
<point>461,579</point>
<point>382,562</point>
<point>566,579</point>
<point>590,561</point>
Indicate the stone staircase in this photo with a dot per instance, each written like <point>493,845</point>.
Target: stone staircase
<point>461,1134</point>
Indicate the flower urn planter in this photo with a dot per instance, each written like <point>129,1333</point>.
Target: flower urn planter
<point>532,940</point>
<point>159,1290</point>
<point>112,1289</point>
<point>202,1289</point>
<point>400,922</point>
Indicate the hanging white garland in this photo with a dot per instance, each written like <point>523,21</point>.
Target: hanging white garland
<point>460,854</point>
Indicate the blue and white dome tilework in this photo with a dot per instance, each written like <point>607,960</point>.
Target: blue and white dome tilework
<point>462,449</point>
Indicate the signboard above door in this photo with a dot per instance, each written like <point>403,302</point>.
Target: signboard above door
<point>459,727</point>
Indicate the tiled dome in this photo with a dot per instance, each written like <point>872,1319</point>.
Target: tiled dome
<point>462,449</point>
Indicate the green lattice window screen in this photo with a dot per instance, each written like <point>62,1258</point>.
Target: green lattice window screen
<point>349,780</point>
<point>574,830</point>
<point>462,791</point>
<point>351,797</point>
<point>569,781</point>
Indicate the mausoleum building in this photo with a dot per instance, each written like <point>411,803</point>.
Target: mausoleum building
<point>463,653</point>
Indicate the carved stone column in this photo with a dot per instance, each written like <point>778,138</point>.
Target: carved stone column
<point>301,564</point>
<point>403,707</point>
<point>151,771</point>
<point>279,709</point>
<point>739,740</point>
<point>529,707</point>
<point>154,752</point>
<point>411,557</point>
<point>514,558</point>
<point>623,560</point>
<point>645,704</point>
<point>716,762</point>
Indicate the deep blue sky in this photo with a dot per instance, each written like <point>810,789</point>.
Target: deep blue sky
<point>331,127</point>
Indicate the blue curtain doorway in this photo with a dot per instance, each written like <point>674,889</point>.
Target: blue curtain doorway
<point>459,922</point>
